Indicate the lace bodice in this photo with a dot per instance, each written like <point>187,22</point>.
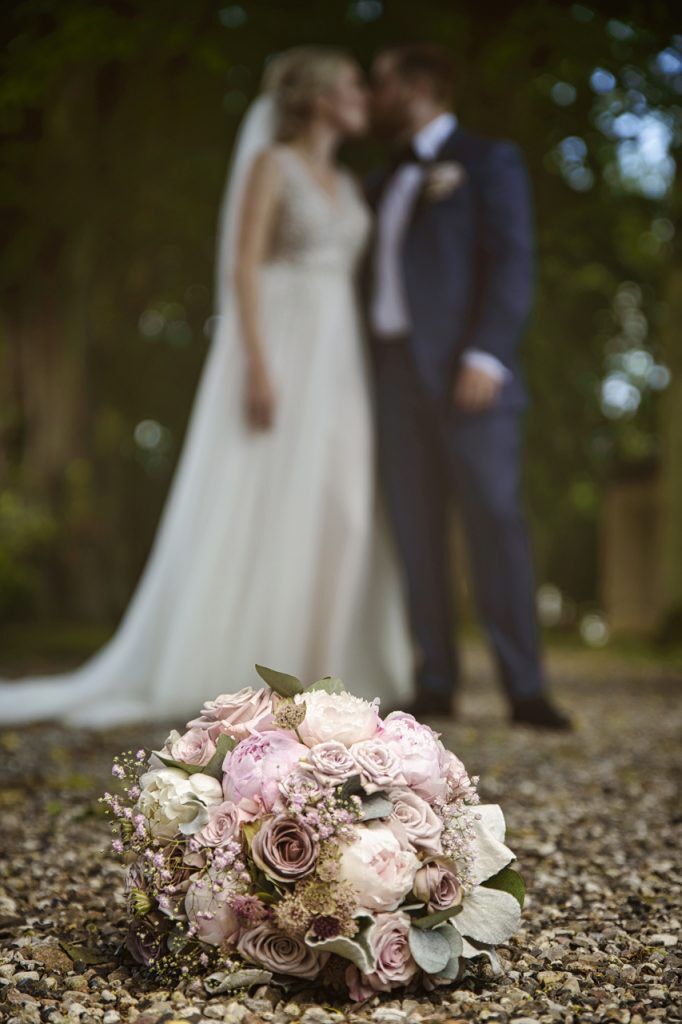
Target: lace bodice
<point>312,228</point>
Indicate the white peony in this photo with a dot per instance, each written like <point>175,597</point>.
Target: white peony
<point>378,868</point>
<point>173,801</point>
<point>336,716</point>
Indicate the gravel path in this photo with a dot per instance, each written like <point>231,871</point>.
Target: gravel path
<point>593,818</point>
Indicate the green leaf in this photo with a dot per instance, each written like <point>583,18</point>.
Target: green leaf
<point>430,949</point>
<point>357,949</point>
<point>224,744</point>
<point>351,787</point>
<point>432,920</point>
<point>282,683</point>
<point>249,829</point>
<point>190,769</point>
<point>229,981</point>
<point>508,880</point>
<point>84,954</point>
<point>376,805</point>
<point>451,969</point>
<point>330,684</point>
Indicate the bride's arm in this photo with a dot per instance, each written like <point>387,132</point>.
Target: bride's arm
<point>260,203</point>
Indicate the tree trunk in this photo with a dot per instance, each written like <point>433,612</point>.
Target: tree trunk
<point>671,436</point>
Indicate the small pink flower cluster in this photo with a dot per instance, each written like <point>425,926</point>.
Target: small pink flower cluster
<point>299,834</point>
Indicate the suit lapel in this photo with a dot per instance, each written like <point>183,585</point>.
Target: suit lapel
<point>448,150</point>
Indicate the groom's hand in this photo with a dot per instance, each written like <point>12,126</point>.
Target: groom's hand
<point>475,389</point>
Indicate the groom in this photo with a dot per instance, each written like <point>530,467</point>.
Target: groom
<point>449,284</point>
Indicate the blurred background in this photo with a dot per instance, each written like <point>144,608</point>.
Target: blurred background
<point>117,120</point>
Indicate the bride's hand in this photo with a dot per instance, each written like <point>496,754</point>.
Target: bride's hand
<point>260,398</point>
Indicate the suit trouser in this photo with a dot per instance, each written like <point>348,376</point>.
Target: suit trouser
<point>426,457</point>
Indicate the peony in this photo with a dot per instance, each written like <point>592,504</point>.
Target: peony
<point>257,765</point>
<point>418,750</point>
<point>207,905</point>
<point>272,949</point>
<point>331,763</point>
<point>421,824</point>
<point>379,870</point>
<point>284,848</point>
<point>237,714</point>
<point>387,938</point>
<point>378,765</point>
<point>194,747</point>
<point>336,716</point>
<point>173,801</point>
<point>436,885</point>
<point>223,824</point>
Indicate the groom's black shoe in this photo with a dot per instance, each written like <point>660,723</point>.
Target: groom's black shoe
<point>428,706</point>
<point>540,713</point>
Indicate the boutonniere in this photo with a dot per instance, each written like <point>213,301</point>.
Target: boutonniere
<point>442,178</point>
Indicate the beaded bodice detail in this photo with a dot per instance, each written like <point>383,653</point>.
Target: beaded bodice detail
<point>313,228</point>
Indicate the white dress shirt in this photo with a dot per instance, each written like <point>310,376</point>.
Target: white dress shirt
<point>389,310</point>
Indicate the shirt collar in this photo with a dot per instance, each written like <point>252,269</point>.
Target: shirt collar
<point>431,137</point>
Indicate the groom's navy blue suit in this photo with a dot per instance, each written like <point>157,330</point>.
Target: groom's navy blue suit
<point>467,269</point>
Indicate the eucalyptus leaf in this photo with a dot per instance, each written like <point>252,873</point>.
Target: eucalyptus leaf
<point>227,981</point>
<point>190,769</point>
<point>282,683</point>
<point>375,805</point>
<point>452,967</point>
<point>432,920</point>
<point>430,949</point>
<point>224,744</point>
<point>249,829</point>
<point>508,880</point>
<point>330,684</point>
<point>356,949</point>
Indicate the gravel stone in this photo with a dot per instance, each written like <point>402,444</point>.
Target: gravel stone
<point>592,816</point>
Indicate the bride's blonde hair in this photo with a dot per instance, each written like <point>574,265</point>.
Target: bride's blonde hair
<point>296,78</point>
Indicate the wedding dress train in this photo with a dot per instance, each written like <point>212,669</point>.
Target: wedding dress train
<point>269,549</point>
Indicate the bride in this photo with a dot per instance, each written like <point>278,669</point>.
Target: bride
<point>268,549</point>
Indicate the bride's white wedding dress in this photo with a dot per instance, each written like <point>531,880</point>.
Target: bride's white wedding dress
<point>268,549</point>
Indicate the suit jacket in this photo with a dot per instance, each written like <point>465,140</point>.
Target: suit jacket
<point>467,261</point>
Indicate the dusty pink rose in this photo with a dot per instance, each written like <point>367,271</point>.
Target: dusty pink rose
<point>194,747</point>
<point>237,714</point>
<point>257,765</point>
<point>223,824</point>
<point>377,867</point>
<point>420,822</point>
<point>207,905</point>
<point>387,938</point>
<point>280,953</point>
<point>436,885</point>
<point>418,750</point>
<point>378,764</point>
<point>284,848</point>
<point>331,763</point>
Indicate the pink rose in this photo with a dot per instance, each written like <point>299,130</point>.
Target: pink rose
<point>223,823</point>
<point>280,953</point>
<point>257,765</point>
<point>377,867</point>
<point>237,714</point>
<point>418,750</point>
<point>331,763</point>
<point>207,905</point>
<point>378,764</point>
<point>194,747</point>
<point>387,938</point>
<point>436,885</point>
<point>284,848</point>
<point>420,822</point>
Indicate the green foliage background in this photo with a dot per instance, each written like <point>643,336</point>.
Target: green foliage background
<point>117,120</point>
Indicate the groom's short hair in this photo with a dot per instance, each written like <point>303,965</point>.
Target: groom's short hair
<point>426,60</point>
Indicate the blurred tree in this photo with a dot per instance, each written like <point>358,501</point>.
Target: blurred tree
<point>117,118</point>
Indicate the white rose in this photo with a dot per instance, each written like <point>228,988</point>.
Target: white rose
<point>336,716</point>
<point>380,871</point>
<point>173,801</point>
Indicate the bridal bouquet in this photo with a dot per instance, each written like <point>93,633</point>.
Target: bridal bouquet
<point>292,833</point>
